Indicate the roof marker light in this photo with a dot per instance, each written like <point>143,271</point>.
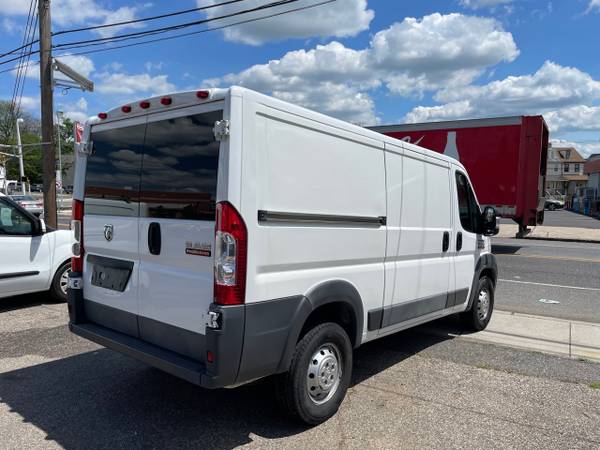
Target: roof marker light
<point>102,116</point>
<point>126,108</point>
<point>166,101</point>
<point>145,105</point>
<point>202,94</point>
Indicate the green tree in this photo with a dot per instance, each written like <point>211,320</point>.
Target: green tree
<point>30,130</point>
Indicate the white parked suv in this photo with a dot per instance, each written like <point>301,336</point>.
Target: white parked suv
<point>32,258</point>
<point>224,236</point>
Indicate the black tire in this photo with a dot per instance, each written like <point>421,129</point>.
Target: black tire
<point>293,386</point>
<point>474,319</point>
<point>551,207</point>
<point>55,288</point>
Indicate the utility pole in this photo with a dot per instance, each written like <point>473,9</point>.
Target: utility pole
<point>48,154</point>
<point>20,150</point>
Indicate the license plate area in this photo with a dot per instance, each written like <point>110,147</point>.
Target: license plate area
<point>109,273</point>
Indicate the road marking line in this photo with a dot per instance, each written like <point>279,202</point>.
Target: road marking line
<point>550,285</point>
<point>562,258</point>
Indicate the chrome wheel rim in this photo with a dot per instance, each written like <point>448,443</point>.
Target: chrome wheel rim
<point>324,374</point>
<point>483,304</point>
<point>64,281</point>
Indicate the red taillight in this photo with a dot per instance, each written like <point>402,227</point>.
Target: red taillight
<point>77,229</point>
<point>166,101</point>
<point>210,357</point>
<point>102,116</point>
<point>231,244</point>
<point>126,108</point>
<point>202,94</point>
<point>144,105</point>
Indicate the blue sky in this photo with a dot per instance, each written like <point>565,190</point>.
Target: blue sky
<point>367,61</point>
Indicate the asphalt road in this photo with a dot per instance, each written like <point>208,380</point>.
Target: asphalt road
<point>564,218</point>
<point>410,390</point>
<point>568,273</point>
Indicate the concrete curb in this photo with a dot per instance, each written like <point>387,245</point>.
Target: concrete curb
<point>570,338</point>
<point>564,234</point>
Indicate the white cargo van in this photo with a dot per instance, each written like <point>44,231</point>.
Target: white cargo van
<point>224,236</point>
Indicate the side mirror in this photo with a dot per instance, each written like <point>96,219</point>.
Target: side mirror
<point>489,222</point>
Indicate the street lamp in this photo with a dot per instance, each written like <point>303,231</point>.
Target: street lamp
<point>59,117</point>
<point>20,147</point>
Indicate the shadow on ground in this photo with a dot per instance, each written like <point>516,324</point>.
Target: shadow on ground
<point>25,301</point>
<point>100,399</point>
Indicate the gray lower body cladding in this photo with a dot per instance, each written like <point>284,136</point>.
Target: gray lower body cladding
<point>253,340</point>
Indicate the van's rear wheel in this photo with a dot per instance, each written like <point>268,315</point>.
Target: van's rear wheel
<point>480,313</point>
<point>319,376</point>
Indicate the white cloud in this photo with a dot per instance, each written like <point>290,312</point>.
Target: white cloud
<point>479,4</point>
<point>126,84</point>
<point>594,5</point>
<point>341,18</point>
<point>150,66</point>
<point>30,103</point>
<point>72,12</point>
<point>14,7</point>
<point>439,50</point>
<point>566,96</point>
<point>9,26</point>
<point>584,148</point>
<point>409,58</point>
<point>76,111</point>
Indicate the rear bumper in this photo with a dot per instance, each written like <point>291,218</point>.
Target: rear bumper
<point>252,341</point>
<point>225,343</point>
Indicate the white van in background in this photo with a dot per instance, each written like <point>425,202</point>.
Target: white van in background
<point>224,236</point>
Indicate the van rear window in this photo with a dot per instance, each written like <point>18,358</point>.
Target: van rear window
<point>179,168</point>
<point>162,169</point>
<point>112,179</point>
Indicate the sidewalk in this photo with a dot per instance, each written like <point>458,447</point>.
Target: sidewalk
<point>553,233</point>
<point>539,333</point>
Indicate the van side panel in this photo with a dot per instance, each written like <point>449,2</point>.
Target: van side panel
<point>325,188</point>
<point>420,285</point>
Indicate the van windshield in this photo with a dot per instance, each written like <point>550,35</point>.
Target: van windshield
<point>162,169</point>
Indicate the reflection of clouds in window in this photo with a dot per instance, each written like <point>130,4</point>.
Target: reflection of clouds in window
<point>179,175</point>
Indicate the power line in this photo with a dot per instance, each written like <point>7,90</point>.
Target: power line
<point>150,41</point>
<point>20,78</point>
<point>167,38</point>
<point>146,19</point>
<point>140,34</point>
<point>128,22</point>
<point>24,71</point>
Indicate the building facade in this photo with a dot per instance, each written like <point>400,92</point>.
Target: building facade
<point>565,171</point>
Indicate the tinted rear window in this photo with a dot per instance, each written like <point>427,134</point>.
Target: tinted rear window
<point>112,179</point>
<point>179,168</point>
<point>163,169</point>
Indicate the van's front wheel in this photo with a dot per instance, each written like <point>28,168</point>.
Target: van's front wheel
<point>478,317</point>
<point>319,376</point>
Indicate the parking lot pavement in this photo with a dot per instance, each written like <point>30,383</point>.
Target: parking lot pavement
<point>535,275</point>
<point>409,390</point>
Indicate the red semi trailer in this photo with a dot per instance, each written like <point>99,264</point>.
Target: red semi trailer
<point>505,158</point>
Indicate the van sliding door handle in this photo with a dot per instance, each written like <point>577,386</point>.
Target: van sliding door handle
<point>446,241</point>
<point>458,241</point>
<point>154,238</point>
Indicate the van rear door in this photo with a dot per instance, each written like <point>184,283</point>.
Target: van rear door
<point>110,225</point>
<point>176,227</point>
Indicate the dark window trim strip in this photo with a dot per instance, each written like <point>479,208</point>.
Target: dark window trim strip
<point>18,274</point>
<point>278,216</point>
